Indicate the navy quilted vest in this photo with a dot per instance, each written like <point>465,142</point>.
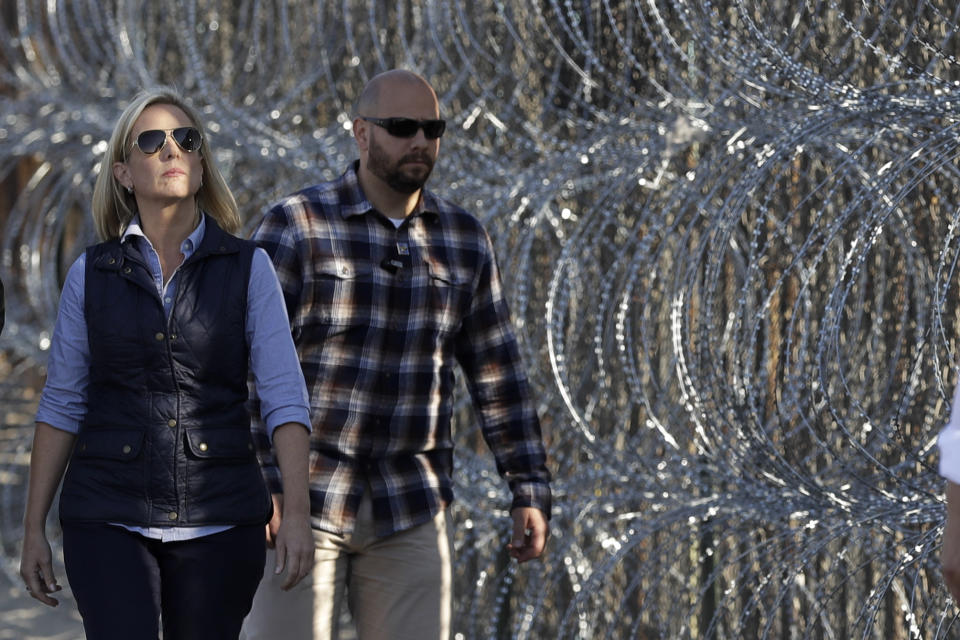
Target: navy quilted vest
<point>166,439</point>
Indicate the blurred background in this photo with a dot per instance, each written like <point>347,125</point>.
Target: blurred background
<point>728,230</point>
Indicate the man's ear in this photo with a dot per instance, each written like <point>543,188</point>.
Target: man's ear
<point>361,133</point>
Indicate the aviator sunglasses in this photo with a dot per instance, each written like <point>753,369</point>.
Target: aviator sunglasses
<point>407,127</point>
<point>151,141</point>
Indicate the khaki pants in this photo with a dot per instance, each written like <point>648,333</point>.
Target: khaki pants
<point>396,587</point>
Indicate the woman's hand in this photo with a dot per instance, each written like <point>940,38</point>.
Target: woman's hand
<point>293,538</point>
<point>48,459</point>
<point>294,548</point>
<point>36,568</point>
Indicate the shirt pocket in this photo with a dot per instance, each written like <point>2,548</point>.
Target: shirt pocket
<point>342,292</point>
<point>449,296</point>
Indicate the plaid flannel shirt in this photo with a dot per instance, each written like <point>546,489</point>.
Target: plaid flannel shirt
<point>380,316</point>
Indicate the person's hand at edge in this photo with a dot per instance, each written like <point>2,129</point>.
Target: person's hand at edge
<point>950,550</point>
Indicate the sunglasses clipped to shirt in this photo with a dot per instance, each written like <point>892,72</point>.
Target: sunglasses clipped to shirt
<point>408,127</point>
<point>152,140</point>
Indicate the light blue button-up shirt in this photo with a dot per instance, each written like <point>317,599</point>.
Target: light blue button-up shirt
<point>273,357</point>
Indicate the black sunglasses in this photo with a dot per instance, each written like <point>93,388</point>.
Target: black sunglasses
<point>151,141</point>
<point>407,127</point>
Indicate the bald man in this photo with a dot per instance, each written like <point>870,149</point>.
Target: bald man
<point>389,289</point>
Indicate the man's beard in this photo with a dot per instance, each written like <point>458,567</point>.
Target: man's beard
<point>378,164</point>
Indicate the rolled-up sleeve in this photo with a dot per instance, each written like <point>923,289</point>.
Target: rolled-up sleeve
<point>63,402</point>
<point>274,364</point>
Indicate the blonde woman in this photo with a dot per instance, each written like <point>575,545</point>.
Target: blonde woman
<point>143,414</point>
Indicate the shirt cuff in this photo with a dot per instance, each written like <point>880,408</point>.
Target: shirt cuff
<point>283,415</point>
<point>57,420</point>
<point>532,494</point>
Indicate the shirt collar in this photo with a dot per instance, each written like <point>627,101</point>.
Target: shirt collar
<point>189,245</point>
<point>353,202</point>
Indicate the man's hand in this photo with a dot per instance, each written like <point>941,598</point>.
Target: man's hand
<point>274,525</point>
<point>530,532</point>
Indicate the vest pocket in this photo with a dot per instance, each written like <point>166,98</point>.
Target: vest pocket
<point>222,479</point>
<point>105,478</point>
<point>220,443</point>
<point>112,444</point>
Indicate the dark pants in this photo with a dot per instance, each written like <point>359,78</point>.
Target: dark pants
<point>124,583</point>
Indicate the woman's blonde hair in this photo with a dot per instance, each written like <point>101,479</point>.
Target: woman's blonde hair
<point>113,207</point>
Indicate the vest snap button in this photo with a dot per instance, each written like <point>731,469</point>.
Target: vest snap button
<point>126,269</point>
<point>159,335</point>
<point>171,422</point>
<point>172,515</point>
<point>112,261</point>
<point>203,446</point>
<point>126,448</point>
